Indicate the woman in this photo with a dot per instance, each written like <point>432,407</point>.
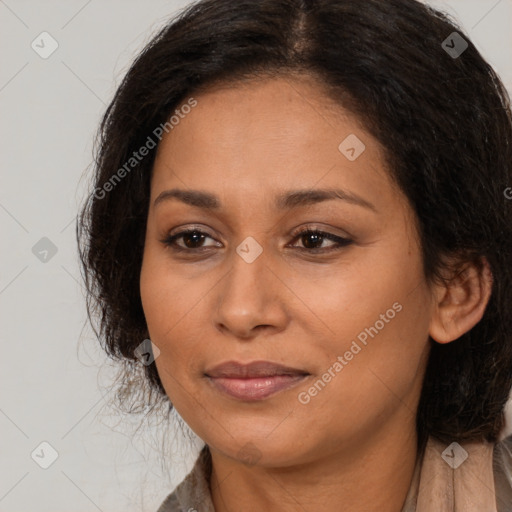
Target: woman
<point>300,226</point>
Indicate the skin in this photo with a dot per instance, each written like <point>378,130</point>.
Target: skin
<point>353,446</point>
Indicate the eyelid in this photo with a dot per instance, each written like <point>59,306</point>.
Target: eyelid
<point>340,241</point>
<point>169,238</point>
<point>321,229</point>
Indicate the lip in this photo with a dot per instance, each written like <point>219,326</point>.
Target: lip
<point>254,369</point>
<point>251,390</point>
<point>254,381</point>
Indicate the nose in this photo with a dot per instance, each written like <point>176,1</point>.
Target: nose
<point>251,299</point>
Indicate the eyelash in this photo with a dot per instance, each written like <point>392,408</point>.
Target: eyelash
<point>341,242</point>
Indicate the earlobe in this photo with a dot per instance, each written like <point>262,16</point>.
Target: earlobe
<point>460,303</point>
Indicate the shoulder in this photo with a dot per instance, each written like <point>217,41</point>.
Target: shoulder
<point>193,493</point>
<point>170,504</point>
<point>502,467</point>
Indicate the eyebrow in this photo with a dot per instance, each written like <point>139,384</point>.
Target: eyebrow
<point>284,201</point>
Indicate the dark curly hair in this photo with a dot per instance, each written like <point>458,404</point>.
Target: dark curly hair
<point>443,119</point>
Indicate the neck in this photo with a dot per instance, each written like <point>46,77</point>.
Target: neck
<point>374,477</point>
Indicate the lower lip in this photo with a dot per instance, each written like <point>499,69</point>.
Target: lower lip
<point>255,388</point>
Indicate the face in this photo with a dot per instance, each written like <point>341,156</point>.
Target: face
<point>347,304</point>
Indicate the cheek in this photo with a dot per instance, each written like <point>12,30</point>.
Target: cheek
<point>152,293</point>
<point>165,295</point>
<point>384,357</point>
<point>161,301</point>
<point>175,319</point>
<point>355,297</point>
<point>377,319</point>
<point>373,380</point>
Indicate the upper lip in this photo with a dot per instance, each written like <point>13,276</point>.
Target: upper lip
<point>233,369</point>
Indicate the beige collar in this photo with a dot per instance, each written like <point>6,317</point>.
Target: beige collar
<point>453,478</point>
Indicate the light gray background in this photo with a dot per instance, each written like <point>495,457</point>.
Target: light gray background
<point>54,376</point>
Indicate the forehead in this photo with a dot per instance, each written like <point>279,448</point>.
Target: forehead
<point>264,135</point>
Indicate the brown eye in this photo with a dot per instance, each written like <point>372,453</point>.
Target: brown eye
<point>192,240</point>
<point>313,239</point>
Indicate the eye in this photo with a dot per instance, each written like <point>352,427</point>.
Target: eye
<point>193,238</point>
<point>314,237</point>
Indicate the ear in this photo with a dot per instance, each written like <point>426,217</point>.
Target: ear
<point>460,303</point>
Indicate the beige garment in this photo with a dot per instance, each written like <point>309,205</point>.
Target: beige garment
<point>471,477</point>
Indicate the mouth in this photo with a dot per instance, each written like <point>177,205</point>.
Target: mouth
<point>254,381</point>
